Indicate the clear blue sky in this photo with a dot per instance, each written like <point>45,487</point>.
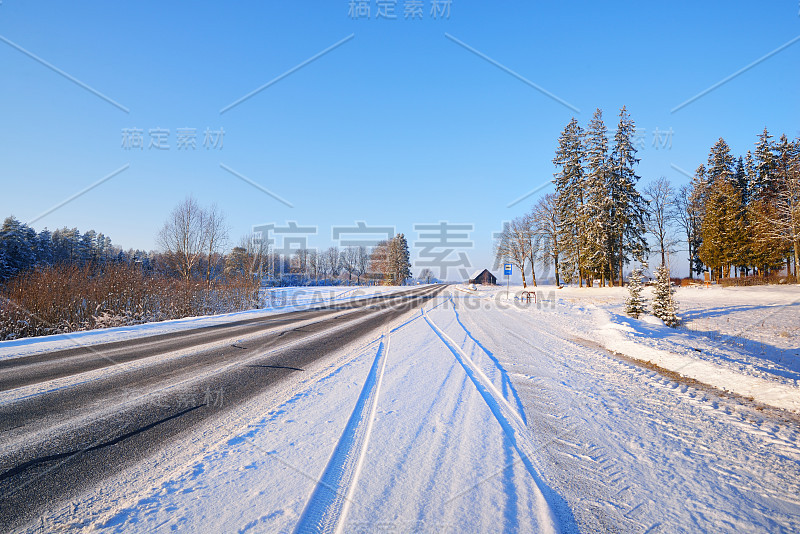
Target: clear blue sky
<point>396,126</point>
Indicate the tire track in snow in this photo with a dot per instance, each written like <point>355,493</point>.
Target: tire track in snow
<point>553,514</point>
<point>504,378</point>
<point>326,510</point>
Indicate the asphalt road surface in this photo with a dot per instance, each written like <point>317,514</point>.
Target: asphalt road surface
<point>140,394</point>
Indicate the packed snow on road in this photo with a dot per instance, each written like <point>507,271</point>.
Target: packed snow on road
<point>483,412</point>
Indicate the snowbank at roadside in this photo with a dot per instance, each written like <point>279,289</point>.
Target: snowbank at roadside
<point>742,340</point>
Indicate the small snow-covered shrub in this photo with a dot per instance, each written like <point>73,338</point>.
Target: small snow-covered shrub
<point>664,305</point>
<point>635,305</point>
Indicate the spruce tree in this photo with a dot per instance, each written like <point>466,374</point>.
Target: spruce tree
<point>635,305</point>
<point>628,214</point>
<point>402,264</point>
<point>664,305</point>
<point>697,206</point>
<point>720,163</point>
<point>18,243</point>
<point>569,182</point>
<point>597,199</point>
<point>764,168</point>
<point>722,230</point>
<point>740,180</point>
<point>750,173</point>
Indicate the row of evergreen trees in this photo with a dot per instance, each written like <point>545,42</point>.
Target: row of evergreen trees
<point>596,221</point>
<point>601,215</point>
<point>22,248</point>
<point>738,216</point>
<point>744,213</point>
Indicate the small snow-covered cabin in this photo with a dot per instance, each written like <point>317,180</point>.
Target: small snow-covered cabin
<point>483,277</point>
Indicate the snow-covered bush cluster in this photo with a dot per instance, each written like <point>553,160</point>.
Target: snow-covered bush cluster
<point>664,305</point>
<point>635,305</point>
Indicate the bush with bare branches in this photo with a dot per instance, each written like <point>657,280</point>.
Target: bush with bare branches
<point>68,298</point>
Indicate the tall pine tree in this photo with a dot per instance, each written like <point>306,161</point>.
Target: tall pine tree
<point>764,168</point>
<point>627,216</point>
<point>723,233</point>
<point>569,182</point>
<point>597,207</point>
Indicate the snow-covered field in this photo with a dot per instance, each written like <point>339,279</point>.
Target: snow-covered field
<point>744,340</point>
<point>481,414</point>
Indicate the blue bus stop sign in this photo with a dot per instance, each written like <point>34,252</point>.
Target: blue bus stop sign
<point>507,269</point>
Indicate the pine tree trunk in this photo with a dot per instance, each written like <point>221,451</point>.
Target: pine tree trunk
<point>558,281</point>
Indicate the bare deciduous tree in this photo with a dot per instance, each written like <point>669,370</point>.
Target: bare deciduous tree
<point>660,197</point>
<point>513,245</point>
<point>427,275</point>
<point>362,263</point>
<point>191,232</point>
<point>534,245</point>
<point>688,219</point>
<point>216,235</point>
<point>249,257</point>
<point>301,261</point>
<point>349,259</point>
<point>313,264</point>
<point>183,237</point>
<point>545,223</point>
<point>332,259</point>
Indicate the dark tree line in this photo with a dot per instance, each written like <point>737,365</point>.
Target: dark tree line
<point>738,216</point>
<point>742,215</point>
<point>22,249</point>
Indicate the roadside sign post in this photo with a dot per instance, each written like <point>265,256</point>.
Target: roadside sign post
<point>507,272</point>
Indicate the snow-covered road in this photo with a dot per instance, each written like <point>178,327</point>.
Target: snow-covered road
<point>471,415</point>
